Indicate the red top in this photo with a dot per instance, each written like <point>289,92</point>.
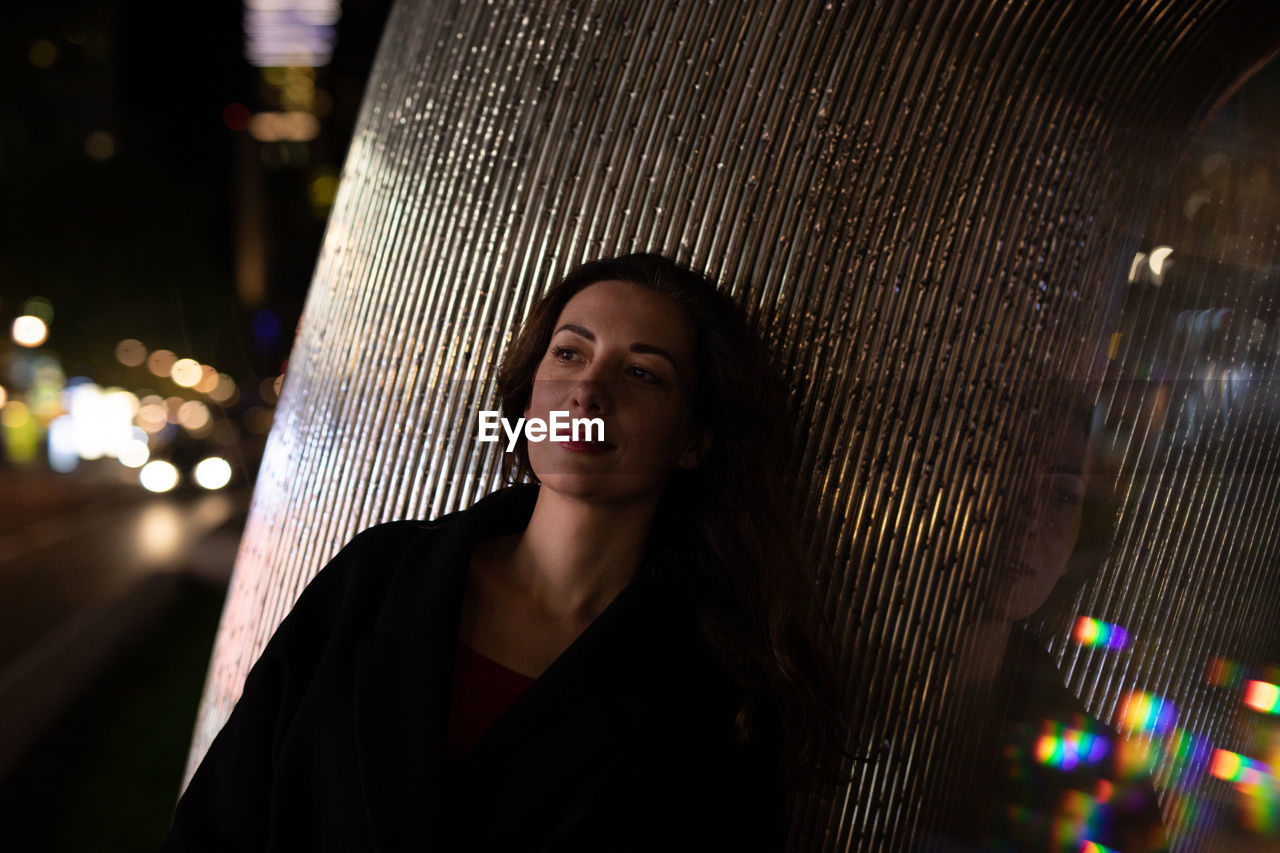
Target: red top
<point>482,690</point>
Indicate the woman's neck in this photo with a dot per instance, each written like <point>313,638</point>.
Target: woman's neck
<point>982,654</point>
<point>575,557</point>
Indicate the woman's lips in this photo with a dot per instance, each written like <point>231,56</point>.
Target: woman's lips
<point>586,446</point>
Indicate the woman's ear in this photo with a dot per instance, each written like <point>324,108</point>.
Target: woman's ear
<point>697,450</point>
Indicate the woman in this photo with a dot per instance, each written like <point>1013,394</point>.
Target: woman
<point>1030,768</point>
<point>611,659</point>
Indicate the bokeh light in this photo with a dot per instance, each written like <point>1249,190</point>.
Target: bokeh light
<point>161,362</point>
<point>29,331</point>
<point>193,416</point>
<point>134,453</point>
<point>42,53</point>
<point>4,396</point>
<point>38,306</point>
<point>225,392</point>
<point>213,473</point>
<point>208,380</point>
<point>186,372</point>
<point>235,116</point>
<point>158,476</point>
<point>61,444</point>
<point>131,353</point>
<point>100,146</point>
<point>1157,259</point>
<point>152,416</point>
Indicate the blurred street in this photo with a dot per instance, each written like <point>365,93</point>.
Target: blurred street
<point>70,544</point>
<point>92,569</point>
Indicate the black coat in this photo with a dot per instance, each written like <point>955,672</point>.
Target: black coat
<point>626,742</point>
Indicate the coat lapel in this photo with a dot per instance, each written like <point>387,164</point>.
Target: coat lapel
<point>404,672</point>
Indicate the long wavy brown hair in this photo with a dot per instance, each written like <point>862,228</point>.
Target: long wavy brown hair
<point>732,520</point>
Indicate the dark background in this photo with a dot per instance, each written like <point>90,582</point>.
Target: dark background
<point>137,204</point>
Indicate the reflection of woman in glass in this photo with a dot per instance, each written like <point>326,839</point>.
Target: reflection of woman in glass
<point>1037,771</point>
<point>613,659</point>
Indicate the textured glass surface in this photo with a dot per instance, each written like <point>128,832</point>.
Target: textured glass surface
<point>933,208</point>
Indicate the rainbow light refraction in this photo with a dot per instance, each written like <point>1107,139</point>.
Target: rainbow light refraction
<point>1066,748</point>
<point>1234,767</point>
<point>1143,712</point>
<point>1095,847</point>
<point>1262,696</point>
<point>1223,672</point>
<point>1099,634</point>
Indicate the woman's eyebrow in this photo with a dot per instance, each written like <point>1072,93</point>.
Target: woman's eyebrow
<point>580,331</point>
<point>648,349</point>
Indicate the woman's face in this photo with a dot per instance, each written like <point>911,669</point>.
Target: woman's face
<point>625,354</point>
<point>1048,531</point>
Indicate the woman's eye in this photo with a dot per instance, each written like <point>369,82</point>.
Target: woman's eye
<point>563,353</point>
<point>644,374</point>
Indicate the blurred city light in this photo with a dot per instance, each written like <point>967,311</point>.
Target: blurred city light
<point>131,353</point>
<point>186,372</point>
<point>100,146</point>
<point>293,126</point>
<point>213,473</point>
<point>1157,258</point>
<point>159,532</point>
<point>42,53</point>
<point>29,331</point>
<point>134,453</point>
<point>4,396</point>
<point>61,444</point>
<point>152,416</point>
<point>22,432</point>
<point>158,476</point>
<point>101,419</point>
<point>193,415</point>
<point>160,362</point>
<point>266,325</point>
<point>290,32</point>
<point>208,380</point>
<point>1262,696</point>
<point>323,189</point>
<point>225,391</point>
<point>235,116</point>
<point>38,306</point>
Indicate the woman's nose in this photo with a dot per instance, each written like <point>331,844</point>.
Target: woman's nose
<point>590,394</point>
